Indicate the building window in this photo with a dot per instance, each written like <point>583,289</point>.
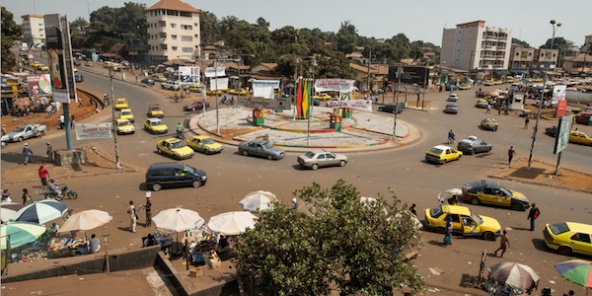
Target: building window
<point>186,38</point>
<point>173,25</point>
<point>174,37</point>
<point>186,27</point>
<point>174,48</point>
<point>187,49</point>
<point>195,36</point>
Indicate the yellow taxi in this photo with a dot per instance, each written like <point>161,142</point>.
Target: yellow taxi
<point>41,67</point>
<point>569,237</point>
<point>121,103</point>
<point>154,110</point>
<point>213,92</point>
<point>238,92</point>
<point>204,144</point>
<point>580,138</point>
<point>463,220</point>
<point>489,124</point>
<point>160,78</point>
<point>155,126</point>
<point>174,148</point>
<point>538,79</point>
<point>464,86</point>
<point>127,114</point>
<point>489,82</point>
<point>124,127</point>
<point>442,154</point>
<point>492,193</point>
<point>195,87</point>
<point>322,97</point>
<point>497,82</point>
<point>510,79</point>
<point>89,64</point>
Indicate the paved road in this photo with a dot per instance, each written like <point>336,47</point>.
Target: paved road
<point>373,172</point>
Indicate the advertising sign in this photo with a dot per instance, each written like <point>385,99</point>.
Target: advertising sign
<point>559,99</point>
<point>219,83</point>
<point>189,75</point>
<point>217,72</point>
<point>54,44</point>
<point>563,129</point>
<point>340,85</point>
<point>364,105</point>
<point>86,131</point>
<point>39,85</point>
<point>265,88</point>
<point>411,75</point>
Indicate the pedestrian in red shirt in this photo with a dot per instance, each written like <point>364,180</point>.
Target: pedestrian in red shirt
<point>43,174</point>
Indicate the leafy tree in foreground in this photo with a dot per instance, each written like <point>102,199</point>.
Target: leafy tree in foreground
<point>346,244</point>
<point>10,32</point>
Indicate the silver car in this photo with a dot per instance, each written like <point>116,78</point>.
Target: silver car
<point>472,145</point>
<point>261,148</point>
<point>319,158</point>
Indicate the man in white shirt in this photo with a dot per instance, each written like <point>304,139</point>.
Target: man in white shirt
<point>95,244</point>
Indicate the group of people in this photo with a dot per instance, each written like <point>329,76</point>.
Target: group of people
<point>133,213</point>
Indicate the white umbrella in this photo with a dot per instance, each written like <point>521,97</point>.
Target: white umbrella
<point>258,201</point>
<point>86,220</point>
<point>232,223</point>
<point>6,213</point>
<point>177,220</point>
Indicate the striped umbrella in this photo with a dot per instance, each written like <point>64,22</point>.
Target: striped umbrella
<point>514,275</point>
<point>577,271</point>
<point>40,212</point>
<point>20,233</point>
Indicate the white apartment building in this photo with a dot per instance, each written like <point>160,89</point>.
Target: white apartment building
<point>34,26</point>
<point>473,46</point>
<point>173,31</point>
<point>587,48</point>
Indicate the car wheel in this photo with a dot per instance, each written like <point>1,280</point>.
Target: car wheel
<point>315,167</point>
<point>489,236</point>
<point>440,230</point>
<point>494,128</point>
<point>196,183</point>
<point>156,187</point>
<point>564,250</point>
<point>193,109</point>
<point>3,144</point>
<point>342,163</point>
<point>459,158</point>
<point>158,150</point>
<point>245,153</point>
<point>20,139</point>
<point>475,201</point>
<point>270,157</point>
<point>471,151</point>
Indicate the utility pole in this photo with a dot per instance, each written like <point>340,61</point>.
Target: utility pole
<point>368,79</point>
<point>113,121</point>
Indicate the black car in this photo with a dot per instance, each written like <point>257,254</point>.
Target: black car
<point>472,145</point>
<point>551,131</point>
<point>391,108</point>
<point>173,174</point>
<point>78,77</point>
<point>148,81</point>
<point>451,109</point>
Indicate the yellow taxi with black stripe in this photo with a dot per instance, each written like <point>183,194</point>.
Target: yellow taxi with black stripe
<point>463,220</point>
<point>204,144</point>
<point>174,148</point>
<point>124,127</point>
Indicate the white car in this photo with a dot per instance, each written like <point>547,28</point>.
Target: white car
<point>319,158</point>
<point>452,98</point>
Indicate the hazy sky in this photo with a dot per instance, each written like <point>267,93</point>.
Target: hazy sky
<point>418,20</point>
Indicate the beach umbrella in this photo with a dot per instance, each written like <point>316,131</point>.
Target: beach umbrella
<point>232,223</point>
<point>6,214</point>
<point>11,205</point>
<point>40,212</point>
<point>177,220</point>
<point>20,233</point>
<point>577,271</point>
<point>258,201</point>
<point>514,275</point>
<point>86,220</point>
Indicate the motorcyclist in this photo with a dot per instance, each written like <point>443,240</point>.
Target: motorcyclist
<point>450,137</point>
<point>179,130</point>
<point>53,187</point>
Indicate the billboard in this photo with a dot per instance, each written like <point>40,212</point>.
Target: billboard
<point>340,85</point>
<point>219,83</point>
<point>563,129</point>
<point>39,85</point>
<point>411,75</point>
<point>215,72</point>
<point>364,105</point>
<point>55,53</point>
<point>88,131</point>
<point>189,75</point>
<point>265,88</point>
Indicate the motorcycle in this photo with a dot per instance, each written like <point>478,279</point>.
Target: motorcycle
<point>62,193</point>
<point>181,134</point>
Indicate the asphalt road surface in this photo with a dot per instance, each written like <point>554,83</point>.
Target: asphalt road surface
<point>231,176</point>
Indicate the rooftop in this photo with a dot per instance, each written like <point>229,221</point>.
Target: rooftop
<point>173,5</point>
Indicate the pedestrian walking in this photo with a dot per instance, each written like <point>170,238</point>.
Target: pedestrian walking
<point>488,109</point>
<point>43,175</point>
<point>27,152</point>
<point>148,207</point>
<point>448,235</point>
<point>131,210</point>
<point>533,215</point>
<point>49,151</point>
<point>499,111</point>
<point>526,121</point>
<point>62,124</point>
<point>511,153</point>
<point>4,129</point>
<point>504,243</point>
<point>72,122</point>
<point>27,199</point>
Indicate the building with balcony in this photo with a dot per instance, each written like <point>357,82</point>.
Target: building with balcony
<point>474,46</point>
<point>521,58</point>
<point>34,27</point>
<point>546,59</point>
<point>173,31</point>
<point>587,44</point>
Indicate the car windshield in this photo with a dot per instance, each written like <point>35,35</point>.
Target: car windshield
<point>436,212</point>
<point>267,146</point>
<point>155,108</point>
<point>207,141</point>
<point>558,228</point>
<point>156,122</point>
<point>309,154</point>
<point>436,150</point>
<point>19,129</point>
<point>189,169</point>
<point>120,101</point>
<point>126,113</point>
<point>477,218</point>
<point>124,123</point>
<point>177,145</point>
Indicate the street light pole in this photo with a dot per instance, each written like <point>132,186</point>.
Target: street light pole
<point>399,74</point>
<point>538,116</point>
<point>313,64</point>
<point>216,94</point>
<point>114,123</point>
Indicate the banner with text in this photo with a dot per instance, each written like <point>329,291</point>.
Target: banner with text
<point>364,105</point>
<point>282,103</point>
<point>39,85</point>
<point>86,131</point>
<point>189,75</point>
<point>265,88</point>
<point>341,85</point>
<point>219,83</point>
<point>215,72</point>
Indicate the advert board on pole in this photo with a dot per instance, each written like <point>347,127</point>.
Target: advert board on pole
<point>189,75</point>
<point>54,44</point>
<point>68,59</point>
<point>563,131</point>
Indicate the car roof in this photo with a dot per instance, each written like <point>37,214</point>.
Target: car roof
<point>483,183</point>
<point>172,140</point>
<point>126,109</point>
<point>462,210</point>
<point>259,141</point>
<point>574,226</point>
<point>165,165</point>
<point>202,137</point>
<point>317,151</point>
<point>154,119</point>
<point>122,119</point>
<point>443,147</point>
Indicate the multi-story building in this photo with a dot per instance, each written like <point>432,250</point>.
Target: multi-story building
<point>546,59</point>
<point>521,58</point>
<point>587,44</point>
<point>473,46</point>
<point>173,31</point>
<point>34,26</point>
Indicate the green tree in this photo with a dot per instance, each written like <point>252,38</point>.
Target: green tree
<point>131,18</point>
<point>10,32</point>
<point>210,28</point>
<point>355,247</point>
<point>78,32</point>
<point>347,38</point>
<point>262,23</point>
<point>521,42</point>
